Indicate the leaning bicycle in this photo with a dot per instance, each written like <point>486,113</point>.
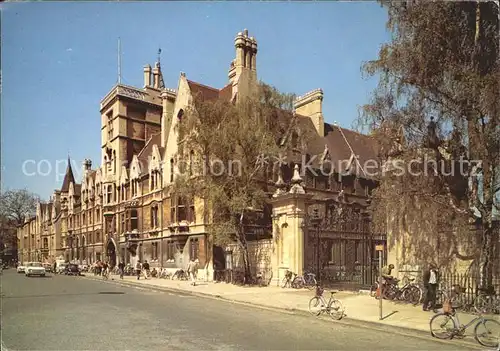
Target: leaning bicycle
<point>446,325</point>
<point>318,305</point>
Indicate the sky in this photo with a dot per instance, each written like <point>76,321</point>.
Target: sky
<point>59,59</point>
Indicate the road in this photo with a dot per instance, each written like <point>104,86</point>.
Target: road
<point>74,313</point>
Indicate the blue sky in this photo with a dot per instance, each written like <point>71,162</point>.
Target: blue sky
<point>60,59</point>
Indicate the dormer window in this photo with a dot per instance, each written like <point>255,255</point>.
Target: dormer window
<point>135,187</point>
<point>109,194</point>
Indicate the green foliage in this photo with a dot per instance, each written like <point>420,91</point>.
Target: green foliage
<point>229,142</point>
<point>442,62</point>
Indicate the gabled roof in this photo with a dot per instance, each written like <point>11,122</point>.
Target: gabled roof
<point>68,177</point>
<point>147,150</point>
<point>342,143</point>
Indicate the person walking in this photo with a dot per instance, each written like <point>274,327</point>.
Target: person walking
<point>138,269</point>
<point>121,268</point>
<point>145,269</point>
<point>430,280</point>
<point>192,270</point>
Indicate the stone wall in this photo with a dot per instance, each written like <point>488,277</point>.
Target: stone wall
<point>260,257</point>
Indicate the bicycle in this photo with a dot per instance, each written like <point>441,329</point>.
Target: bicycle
<point>334,307</point>
<point>292,281</point>
<point>487,301</point>
<point>449,323</point>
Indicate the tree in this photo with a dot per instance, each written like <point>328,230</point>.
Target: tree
<point>15,205</point>
<point>230,146</point>
<point>439,80</point>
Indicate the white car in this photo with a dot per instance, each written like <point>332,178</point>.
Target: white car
<point>21,268</point>
<point>35,268</point>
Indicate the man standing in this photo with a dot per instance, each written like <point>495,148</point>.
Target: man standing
<point>192,270</point>
<point>430,279</point>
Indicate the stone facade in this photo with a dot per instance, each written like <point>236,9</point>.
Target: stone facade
<point>125,209</point>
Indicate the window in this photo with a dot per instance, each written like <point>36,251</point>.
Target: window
<point>154,250</point>
<point>194,249</point>
<point>135,187</point>
<point>154,216</point>
<point>180,114</point>
<point>171,170</point>
<point>109,194</point>
<point>170,251</point>
<point>114,161</point>
<point>110,125</point>
<point>84,219</point>
<point>97,238</point>
<point>134,221</point>
<point>123,228</point>
<point>98,215</point>
<point>154,179</point>
<point>123,192</point>
<point>181,210</point>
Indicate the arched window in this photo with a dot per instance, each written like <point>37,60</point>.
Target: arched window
<point>180,114</point>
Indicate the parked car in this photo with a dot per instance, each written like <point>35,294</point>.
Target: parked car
<point>72,269</point>
<point>21,268</point>
<point>34,268</point>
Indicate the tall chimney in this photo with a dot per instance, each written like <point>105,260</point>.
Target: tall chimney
<point>147,76</point>
<point>156,76</point>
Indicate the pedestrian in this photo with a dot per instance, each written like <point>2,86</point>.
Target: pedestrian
<point>121,268</point>
<point>55,267</point>
<point>145,269</point>
<point>105,270</point>
<point>387,278</point>
<point>192,270</point>
<point>138,268</point>
<point>430,280</point>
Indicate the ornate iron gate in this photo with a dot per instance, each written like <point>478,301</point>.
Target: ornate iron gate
<point>340,244</point>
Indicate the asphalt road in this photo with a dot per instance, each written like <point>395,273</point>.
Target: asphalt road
<point>74,313</point>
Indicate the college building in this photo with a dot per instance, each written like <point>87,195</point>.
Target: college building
<point>125,209</point>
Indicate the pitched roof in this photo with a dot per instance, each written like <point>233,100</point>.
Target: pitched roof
<point>68,177</point>
<point>147,150</point>
<point>209,93</point>
<point>342,143</point>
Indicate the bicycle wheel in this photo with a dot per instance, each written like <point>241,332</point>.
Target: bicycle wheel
<point>336,310</point>
<point>481,304</point>
<point>413,295</point>
<point>298,283</point>
<point>284,282</point>
<point>315,306</point>
<point>311,284</point>
<point>487,332</point>
<point>442,326</point>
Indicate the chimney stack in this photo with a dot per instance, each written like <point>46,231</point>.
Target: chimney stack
<point>243,70</point>
<point>156,76</point>
<point>147,76</point>
<point>311,105</point>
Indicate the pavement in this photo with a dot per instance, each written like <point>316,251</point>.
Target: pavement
<point>75,313</point>
<point>359,307</point>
